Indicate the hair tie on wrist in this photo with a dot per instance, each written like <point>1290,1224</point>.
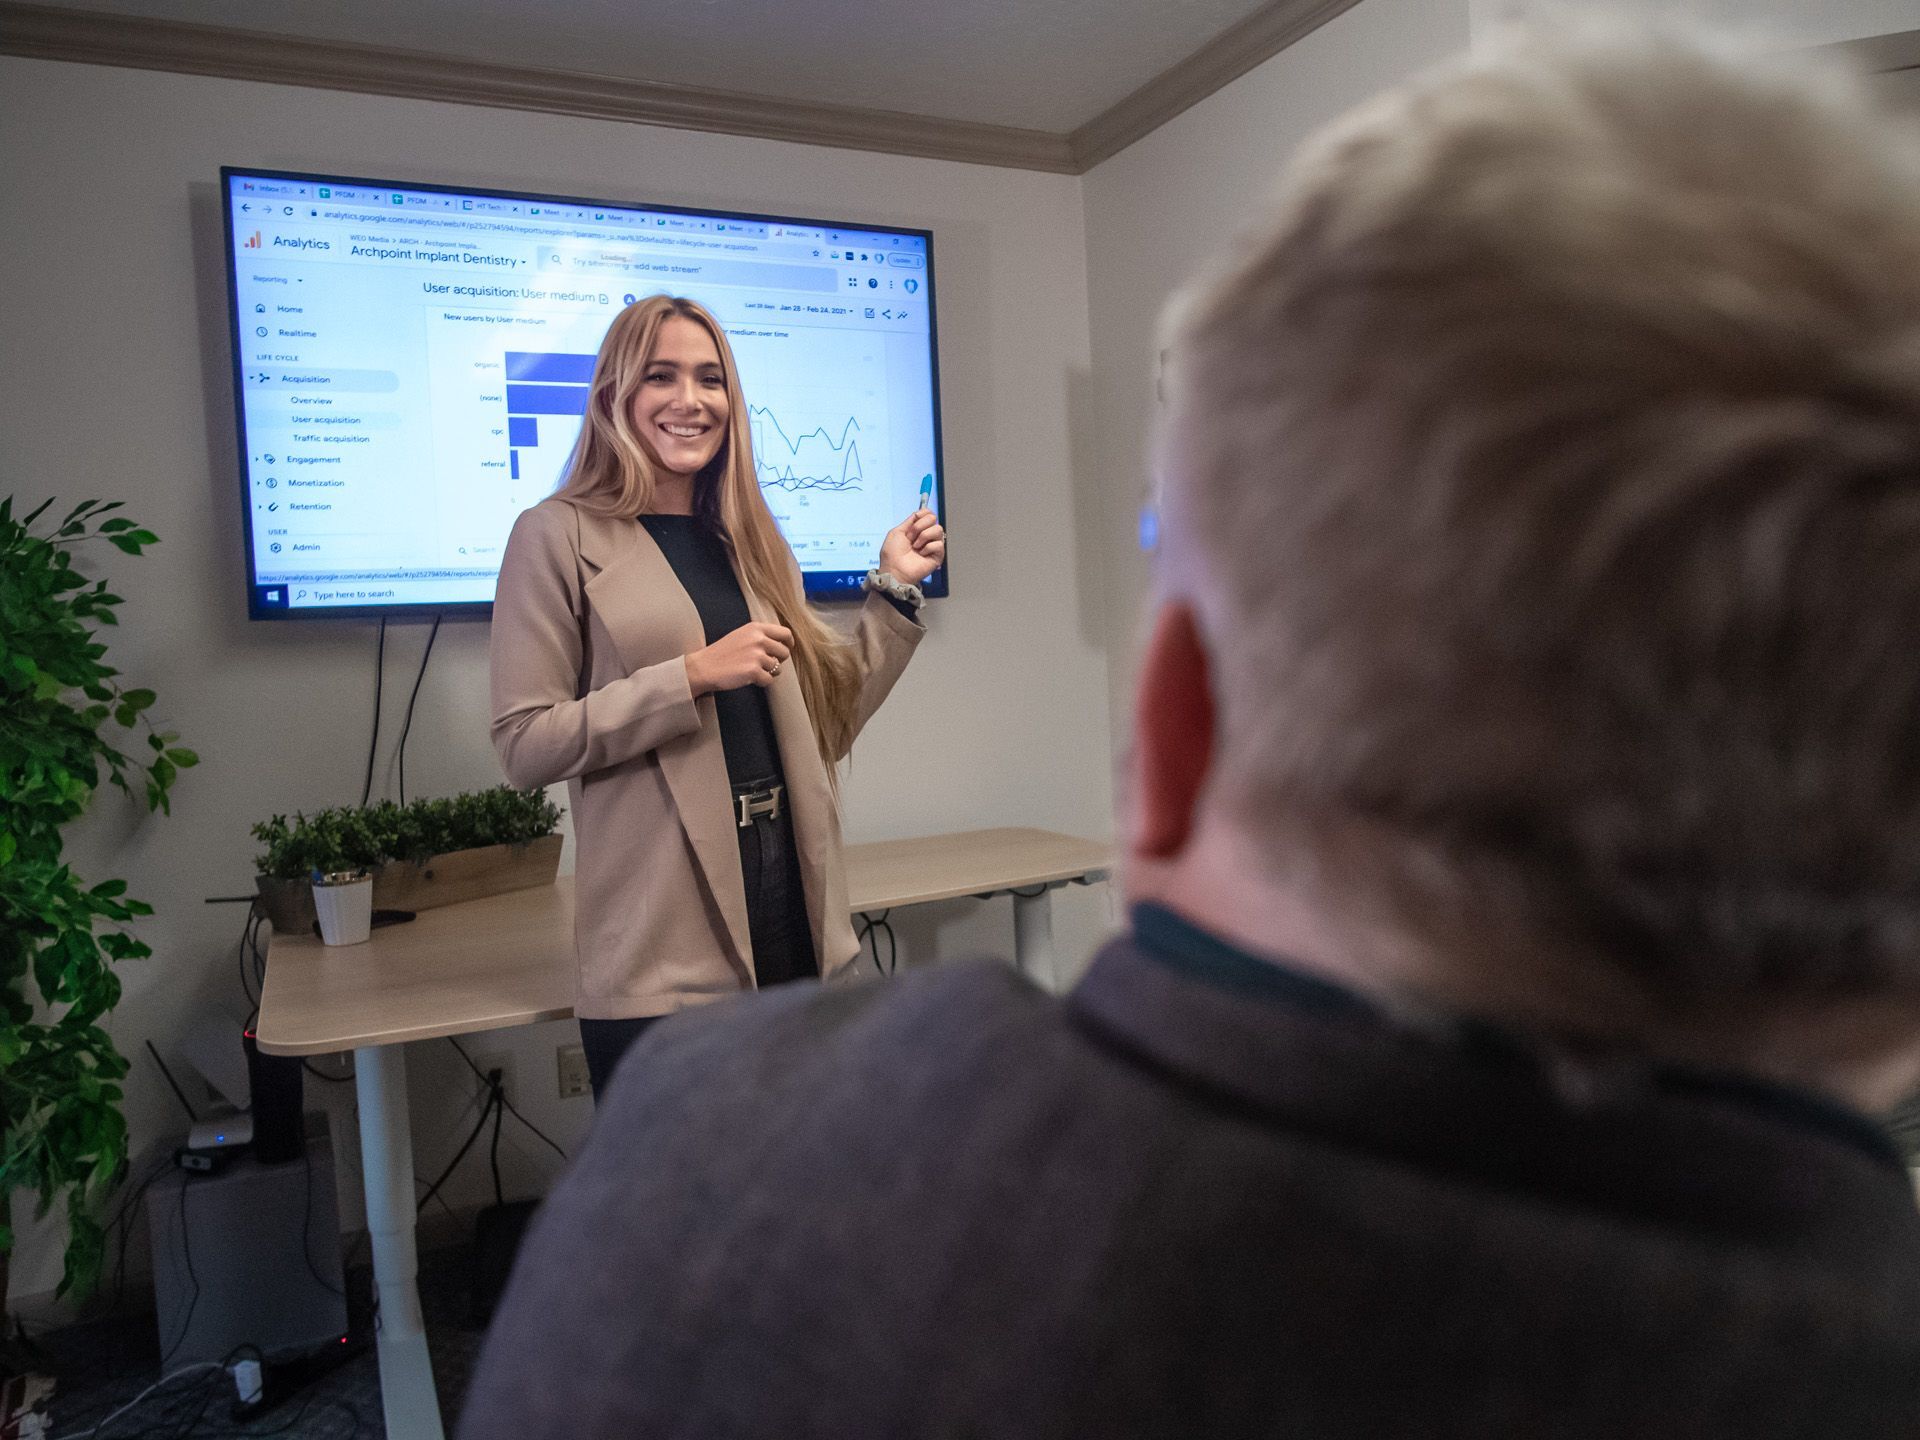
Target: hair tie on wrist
<point>887,583</point>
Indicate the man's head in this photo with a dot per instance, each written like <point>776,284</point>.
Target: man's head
<point>1542,542</point>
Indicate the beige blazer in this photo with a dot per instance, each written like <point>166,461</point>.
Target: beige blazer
<point>591,630</point>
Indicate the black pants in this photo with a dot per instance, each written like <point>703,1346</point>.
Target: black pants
<point>777,925</point>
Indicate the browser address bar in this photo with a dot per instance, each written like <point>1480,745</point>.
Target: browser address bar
<point>687,268</point>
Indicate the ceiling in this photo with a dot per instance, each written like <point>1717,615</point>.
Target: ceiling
<point>1051,65</point>
<point>1054,85</point>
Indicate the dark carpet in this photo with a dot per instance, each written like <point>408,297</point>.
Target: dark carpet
<point>100,1365</point>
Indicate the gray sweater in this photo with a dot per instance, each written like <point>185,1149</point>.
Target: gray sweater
<point>1185,1202</point>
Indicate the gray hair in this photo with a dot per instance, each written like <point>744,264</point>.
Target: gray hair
<point>1546,475</point>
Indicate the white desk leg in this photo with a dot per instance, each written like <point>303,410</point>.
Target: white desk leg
<point>1033,937</point>
<point>386,1160</point>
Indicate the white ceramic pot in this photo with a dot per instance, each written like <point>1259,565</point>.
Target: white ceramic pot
<point>343,903</point>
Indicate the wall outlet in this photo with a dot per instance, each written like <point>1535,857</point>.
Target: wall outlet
<point>571,1061</point>
<point>489,1063</point>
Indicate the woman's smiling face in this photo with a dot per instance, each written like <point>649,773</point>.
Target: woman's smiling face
<point>681,407</point>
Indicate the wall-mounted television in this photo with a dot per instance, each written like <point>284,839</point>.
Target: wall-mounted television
<point>411,365</point>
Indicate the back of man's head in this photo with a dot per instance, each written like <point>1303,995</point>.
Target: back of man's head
<point>1546,478</point>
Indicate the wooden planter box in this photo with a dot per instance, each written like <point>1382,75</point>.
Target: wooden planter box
<point>440,880</point>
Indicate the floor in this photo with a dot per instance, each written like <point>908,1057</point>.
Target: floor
<point>101,1365</point>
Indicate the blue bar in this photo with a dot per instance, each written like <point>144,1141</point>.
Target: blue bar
<point>513,463</point>
<point>546,399</point>
<point>565,369</point>
<point>523,430</point>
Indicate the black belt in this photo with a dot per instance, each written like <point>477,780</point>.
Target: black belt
<point>757,802</point>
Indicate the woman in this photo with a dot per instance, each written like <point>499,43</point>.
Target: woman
<point>652,645</point>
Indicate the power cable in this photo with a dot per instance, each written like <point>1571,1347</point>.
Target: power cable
<point>197,1369</point>
<point>292,1424</point>
<point>420,1180</point>
<point>461,1154</point>
<point>493,1151</point>
<point>319,1074</point>
<point>129,1207</point>
<point>186,1251</point>
<point>240,957</point>
<point>379,683</point>
<point>250,945</point>
<point>482,1077</point>
<point>306,1228</point>
<point>871,928</point>
<point>425,655</point>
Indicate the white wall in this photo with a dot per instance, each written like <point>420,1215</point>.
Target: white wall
<point>1155,210</point>
<point>115,372</point>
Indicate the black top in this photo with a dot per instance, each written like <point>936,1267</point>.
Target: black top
<point>700,561</point>
<point>1191,1199</point>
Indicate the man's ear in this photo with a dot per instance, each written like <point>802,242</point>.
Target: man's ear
<point>1172,734</point>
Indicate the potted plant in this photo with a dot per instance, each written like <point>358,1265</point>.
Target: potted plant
<point>61,1130</point>
<point>343,901</point>
<point>428,853</point>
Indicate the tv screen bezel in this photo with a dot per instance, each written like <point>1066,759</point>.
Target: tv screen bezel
<point>936,586</point>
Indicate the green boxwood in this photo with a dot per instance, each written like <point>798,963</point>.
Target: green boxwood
<point>358,837</point>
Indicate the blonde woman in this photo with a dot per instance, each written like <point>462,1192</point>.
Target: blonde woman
<point>652,646</point>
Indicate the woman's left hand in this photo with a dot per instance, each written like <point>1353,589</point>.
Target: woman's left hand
<point>914,548</point>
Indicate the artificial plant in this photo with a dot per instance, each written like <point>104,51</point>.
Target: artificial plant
<point>61,1130</point>
<point>359,837</point>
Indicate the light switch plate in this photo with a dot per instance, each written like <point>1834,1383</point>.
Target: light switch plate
<point>571,1061</point>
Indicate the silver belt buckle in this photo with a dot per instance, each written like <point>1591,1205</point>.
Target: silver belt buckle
<point>757,803</point>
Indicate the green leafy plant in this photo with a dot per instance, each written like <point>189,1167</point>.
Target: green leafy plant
<point>354,837</point>
<point>63,1133</point>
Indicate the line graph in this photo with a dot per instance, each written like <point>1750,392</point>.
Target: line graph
<point>785,473</point>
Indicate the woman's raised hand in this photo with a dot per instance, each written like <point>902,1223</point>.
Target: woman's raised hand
<point>752,655</point>
<point>914,548</point>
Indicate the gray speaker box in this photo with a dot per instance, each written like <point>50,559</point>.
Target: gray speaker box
<point>228,1268</point>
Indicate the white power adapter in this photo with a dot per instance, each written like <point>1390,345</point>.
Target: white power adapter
<point>246,1381</point>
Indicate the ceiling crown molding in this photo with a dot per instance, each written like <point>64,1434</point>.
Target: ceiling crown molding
<point>1882,54</point>
<point>93,37</point>
<point>100,37</point>
<point>1222,60</point>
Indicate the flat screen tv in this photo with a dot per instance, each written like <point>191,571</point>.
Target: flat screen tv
<point>411,365</point>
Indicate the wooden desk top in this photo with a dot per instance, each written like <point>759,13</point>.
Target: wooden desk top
<point>508,959</point>
<point>975,862</point>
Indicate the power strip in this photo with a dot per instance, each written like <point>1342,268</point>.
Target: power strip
<point>259,1387</point>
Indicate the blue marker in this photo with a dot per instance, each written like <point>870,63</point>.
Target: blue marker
<point>926,492</point>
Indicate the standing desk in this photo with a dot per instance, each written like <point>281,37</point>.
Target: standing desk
<point>508,960</point>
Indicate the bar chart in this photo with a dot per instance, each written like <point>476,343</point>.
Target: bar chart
<point>544,386</point>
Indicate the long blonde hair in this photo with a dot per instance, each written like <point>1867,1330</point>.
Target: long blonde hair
<point>613,473</point>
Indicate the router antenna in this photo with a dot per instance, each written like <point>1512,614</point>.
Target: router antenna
<point>192,1118</point>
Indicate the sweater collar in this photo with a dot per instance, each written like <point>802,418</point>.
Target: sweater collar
<point>1520,1111</point>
